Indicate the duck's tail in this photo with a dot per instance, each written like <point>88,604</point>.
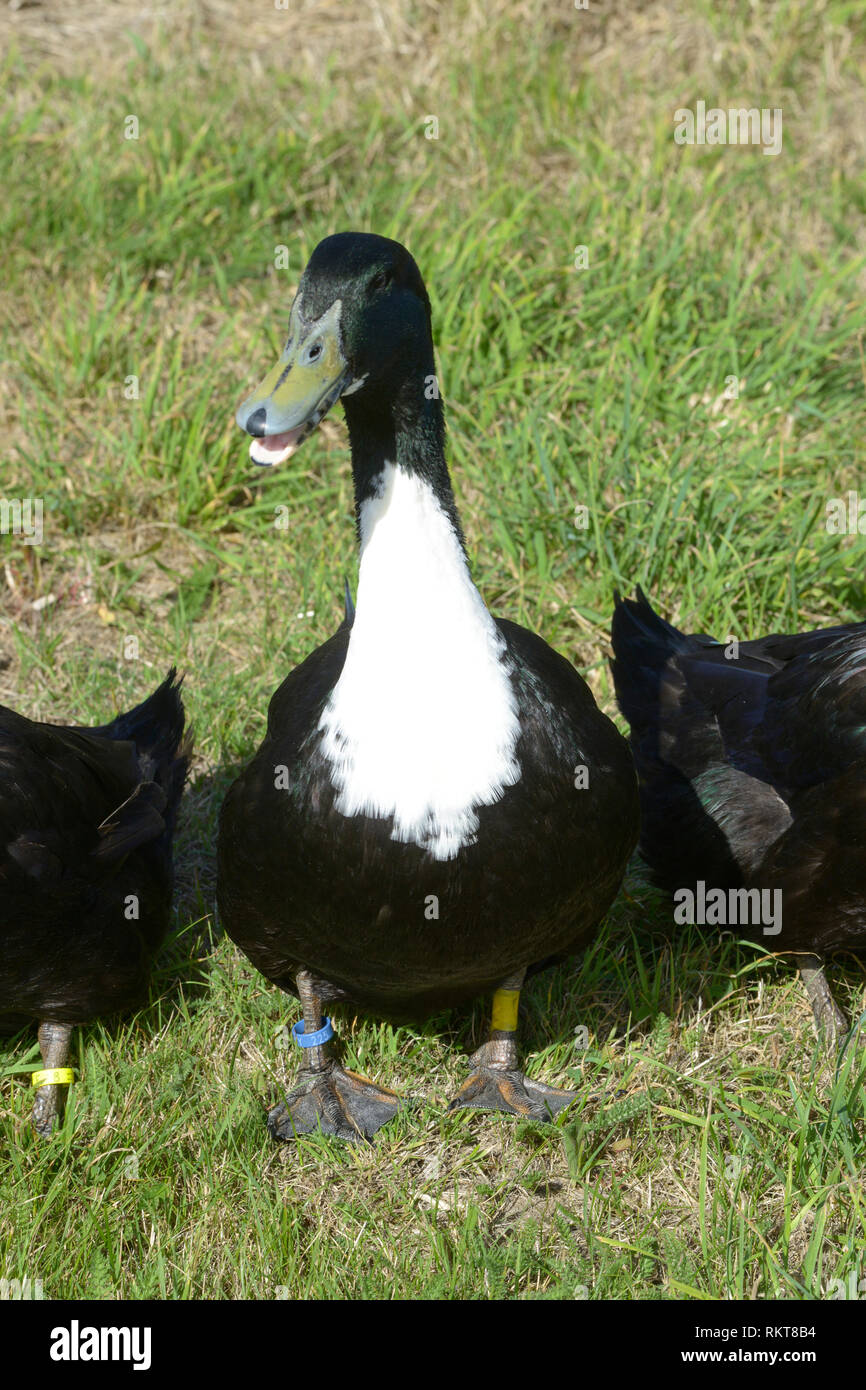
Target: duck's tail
<point>156,728</point>
<point>688,707</point>
<point>643,645</point>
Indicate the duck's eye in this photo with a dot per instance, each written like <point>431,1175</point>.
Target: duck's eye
<point>381,279</point>
<point>314,351</point>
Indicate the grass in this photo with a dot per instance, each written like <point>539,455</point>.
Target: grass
<point>714,1152</point>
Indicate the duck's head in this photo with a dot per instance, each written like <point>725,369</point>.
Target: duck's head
<point>360,324</point>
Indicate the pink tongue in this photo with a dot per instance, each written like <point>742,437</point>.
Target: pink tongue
<point>275,448</point>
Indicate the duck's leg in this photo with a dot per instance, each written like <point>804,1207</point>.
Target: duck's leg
<point>48,1103</point>
<point>830,1021</point>
<point>496,1082</point>
<point>328,1098</point>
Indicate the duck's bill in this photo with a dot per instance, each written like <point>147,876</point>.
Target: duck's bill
<point>276,448</point>
<point>297,394</point>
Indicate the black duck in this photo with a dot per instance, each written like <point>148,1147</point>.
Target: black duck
<point>86,822</point>
<point>751,760</point>
<point>438,806</point>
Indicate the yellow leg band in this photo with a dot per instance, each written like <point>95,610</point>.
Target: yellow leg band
<point>505,1002</point>
<point>53,1076</point>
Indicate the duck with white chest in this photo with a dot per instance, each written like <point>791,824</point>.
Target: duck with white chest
<point>425,754</point>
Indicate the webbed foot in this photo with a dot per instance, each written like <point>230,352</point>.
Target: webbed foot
<point>498,1088</point>
<point>496,1082</point>
<point>335,1101</point>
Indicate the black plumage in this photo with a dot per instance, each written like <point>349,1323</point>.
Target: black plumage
<point>332,905</point>
<point>86,823</point>
<point>301,885</point>
<point>751,763</point>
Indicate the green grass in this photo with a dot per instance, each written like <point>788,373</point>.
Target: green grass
<point>714,1152</point>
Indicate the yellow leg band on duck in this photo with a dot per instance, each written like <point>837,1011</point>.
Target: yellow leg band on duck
<point>53,1076</point>
<point>505,1002</point>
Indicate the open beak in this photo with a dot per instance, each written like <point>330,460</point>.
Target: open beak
<point>300,390</point>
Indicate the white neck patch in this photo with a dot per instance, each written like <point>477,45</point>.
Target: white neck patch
<point>422,724</point>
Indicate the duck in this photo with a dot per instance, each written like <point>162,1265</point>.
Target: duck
<point>751,760</point>
<point>438,807</point>
<point>87,817</point>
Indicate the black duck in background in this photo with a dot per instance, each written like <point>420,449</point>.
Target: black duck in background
<point>438,806</point>
<point>86,824</point>
<point>752,768</point>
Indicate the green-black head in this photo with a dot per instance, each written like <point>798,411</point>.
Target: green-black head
<point>359,327</point>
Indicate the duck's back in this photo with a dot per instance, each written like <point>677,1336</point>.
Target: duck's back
<point>86,820</point>
<point>404,927</point>
<point>751,760</point>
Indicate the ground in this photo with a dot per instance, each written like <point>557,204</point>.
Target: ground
<point>675,406</point>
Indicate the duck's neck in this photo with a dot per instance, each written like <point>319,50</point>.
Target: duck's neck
<point>408,433</point>
<point>413,556</point>
<point>423,723</point>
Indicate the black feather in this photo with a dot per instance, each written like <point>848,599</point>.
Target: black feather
<point>86,819</point>
<point>349,605</point>
<point>302,885</point>
<point>752,769</point>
